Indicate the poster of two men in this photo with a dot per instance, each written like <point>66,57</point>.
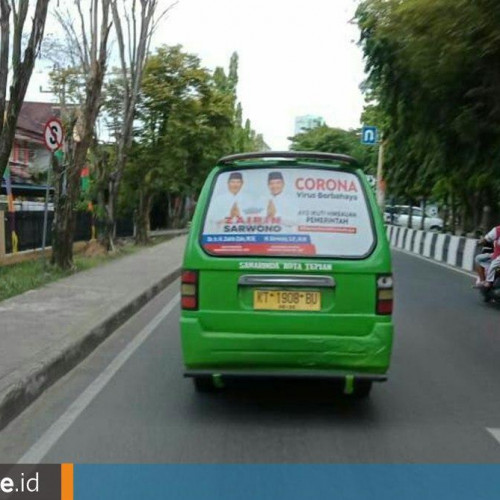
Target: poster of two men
<point>271,202</point>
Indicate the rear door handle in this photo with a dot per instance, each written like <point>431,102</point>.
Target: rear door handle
<point>286,280</point>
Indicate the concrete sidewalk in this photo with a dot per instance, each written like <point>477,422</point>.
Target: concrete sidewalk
<point>44,333</point>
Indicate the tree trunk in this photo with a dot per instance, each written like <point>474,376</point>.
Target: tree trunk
<point>63,224</point>
<point>108,224</point>
<point>166,221</point>
<point>446,213</point>
<point>66,194</point>
<point>423,208</point>
<point>170,211</point>
<point>453,224</point>
<point>486,223</point>
<point>463,217</point>
<point>177,210</point>
<point>105,222</point>
<point>6,141</point>
<point>79,135</point>
<point>476,211</point>
<point>138,40</point>
<point>101,164</point>
<point>142,221</point>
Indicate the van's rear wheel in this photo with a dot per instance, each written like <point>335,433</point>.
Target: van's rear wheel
<point>204,384</point>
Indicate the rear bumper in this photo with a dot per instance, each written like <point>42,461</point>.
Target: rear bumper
<point>284,374</point>
<point>217,352</point>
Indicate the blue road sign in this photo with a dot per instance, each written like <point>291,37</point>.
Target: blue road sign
<point>369,135</point>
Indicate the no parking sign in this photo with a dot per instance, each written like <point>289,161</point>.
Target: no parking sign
<point>53,134</point>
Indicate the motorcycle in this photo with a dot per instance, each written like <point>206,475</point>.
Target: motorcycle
<point>491,294</point>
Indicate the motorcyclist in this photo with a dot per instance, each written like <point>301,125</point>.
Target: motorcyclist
<point>488,263</point>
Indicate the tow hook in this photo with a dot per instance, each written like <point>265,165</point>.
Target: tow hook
<point>349,384</point>
<point>217,380</point>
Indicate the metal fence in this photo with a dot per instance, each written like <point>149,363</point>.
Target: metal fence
<point>29,228</point>
<point>125,227</point>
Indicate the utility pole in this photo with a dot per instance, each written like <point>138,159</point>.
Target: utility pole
<point>380,176</point>
<point>46,207</point>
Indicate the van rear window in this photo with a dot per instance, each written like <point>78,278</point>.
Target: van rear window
<point>288,212</point>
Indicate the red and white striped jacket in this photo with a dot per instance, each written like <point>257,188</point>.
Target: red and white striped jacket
<point>494,237</point>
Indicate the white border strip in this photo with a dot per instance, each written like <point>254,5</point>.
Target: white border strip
<point>427,244</point>
<point>438,254</point>
<point>469,252</point>
<point>409,237</point>
<point>453,250</point>
<point>418,241</point>
<point>401,234</point>
<point>422,245</point>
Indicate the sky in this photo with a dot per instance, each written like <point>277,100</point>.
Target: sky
<point>296,57</point>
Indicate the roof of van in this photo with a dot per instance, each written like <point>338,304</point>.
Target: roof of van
<point>305,155</point>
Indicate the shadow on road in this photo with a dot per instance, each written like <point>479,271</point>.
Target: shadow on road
<point>293,400</point>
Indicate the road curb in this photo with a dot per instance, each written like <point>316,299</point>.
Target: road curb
<point>30,385</point>
<point>453,251</point>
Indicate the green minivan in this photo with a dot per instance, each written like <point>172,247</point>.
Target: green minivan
<point>287,273</point>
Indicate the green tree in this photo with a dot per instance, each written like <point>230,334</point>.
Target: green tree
<point>433,73</point>
<point>189,117</point>
<point>133,37</point>
<point>335,140</point>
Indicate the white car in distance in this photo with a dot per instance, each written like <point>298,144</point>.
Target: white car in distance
<point>431,222</point>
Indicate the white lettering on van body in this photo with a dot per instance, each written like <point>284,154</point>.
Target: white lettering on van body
<point>287,266</point>
<point>293,266</point>
<point>316,266</point>
<point>259,265</point>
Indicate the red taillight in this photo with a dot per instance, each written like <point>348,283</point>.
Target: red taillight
<point>189,290</point>
<point>384,294</point>
<point>190,277</point>
<point>384,307</point>
<point>189,303</point>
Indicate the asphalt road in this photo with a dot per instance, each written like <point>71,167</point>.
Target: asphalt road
<point>442,396</point>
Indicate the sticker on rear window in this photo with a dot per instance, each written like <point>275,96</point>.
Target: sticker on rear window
<point>288,212</point>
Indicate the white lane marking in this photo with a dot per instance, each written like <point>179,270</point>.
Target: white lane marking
<point>450,268</point>
<point>495,433</point>
<point>50,437</point>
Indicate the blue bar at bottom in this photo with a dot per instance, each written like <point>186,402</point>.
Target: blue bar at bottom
<point>287,482</point>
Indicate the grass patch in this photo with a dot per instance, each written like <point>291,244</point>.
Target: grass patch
<point>19,278</point>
